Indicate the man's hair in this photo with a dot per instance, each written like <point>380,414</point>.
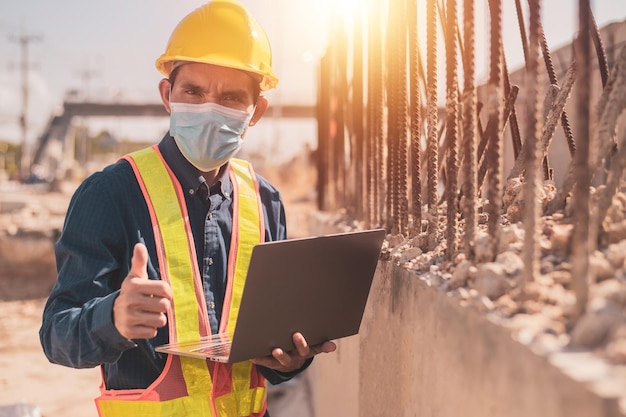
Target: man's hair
<point>257,86</point>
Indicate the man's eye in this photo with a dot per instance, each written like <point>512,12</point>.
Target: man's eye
<point>191,92</point>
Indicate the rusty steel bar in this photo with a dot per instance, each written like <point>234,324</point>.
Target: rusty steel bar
<point>522,28</point>
<point>469,187</point>
<point>358,150</point>
<point>553,117</point>
<point>452,119</point>
<point>547,57</point>
<point>370,129</point>
<point>378,96</point>
<point>494,148</point>
<point>432,141</point>
<point>533,154</point>
<point>512,118</point>
<point>482,146</point>
<point>612,105</point>
<point>393,86</point>
<point>580,236</point>
<point>359,159</point>
<point>339,148</point>
<point>323,138</point>
<point>600,50</point>
<point>402,121</point>
<point>416,121</point>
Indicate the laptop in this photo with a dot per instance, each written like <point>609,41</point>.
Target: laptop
<point>316,285</point>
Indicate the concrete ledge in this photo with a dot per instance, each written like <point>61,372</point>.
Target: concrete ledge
<point>420,353</point>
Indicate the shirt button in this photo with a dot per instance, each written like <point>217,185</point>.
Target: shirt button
<point>211,305</point>
<point>209,261</point>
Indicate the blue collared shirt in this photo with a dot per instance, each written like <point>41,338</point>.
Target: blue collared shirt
<point>106,217</point>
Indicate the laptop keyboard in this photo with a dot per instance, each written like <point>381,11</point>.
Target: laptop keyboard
<point>217,345</point>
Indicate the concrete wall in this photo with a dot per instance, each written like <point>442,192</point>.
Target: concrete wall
<point>419,353</point>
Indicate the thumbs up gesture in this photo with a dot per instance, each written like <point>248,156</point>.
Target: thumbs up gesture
<point>139,309</point>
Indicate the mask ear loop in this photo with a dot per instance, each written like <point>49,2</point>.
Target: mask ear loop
<point>251,123</point>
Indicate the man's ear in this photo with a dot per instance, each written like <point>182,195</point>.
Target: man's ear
<point>164,92</point>
<point>259,111</point>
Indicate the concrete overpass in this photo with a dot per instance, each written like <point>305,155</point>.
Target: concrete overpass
<point>55,147</point>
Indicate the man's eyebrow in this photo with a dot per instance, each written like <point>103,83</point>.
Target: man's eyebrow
<point>189,84</point>
<point>239,92</point>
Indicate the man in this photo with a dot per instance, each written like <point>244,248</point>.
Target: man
<point>155,247</point>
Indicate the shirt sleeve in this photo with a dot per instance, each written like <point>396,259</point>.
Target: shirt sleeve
<point>77,325</point>
<point>275,377</point>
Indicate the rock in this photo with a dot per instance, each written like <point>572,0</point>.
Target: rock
<point>507,306</point>
<point>613,291</point>
<point>615,232</point>
<point>410,254</point>
<point>481,246</point>
<point>616,254</point>
<point>616,351</point>
<point>491,280</point>
<point>395,240</point>
<point>599,267</point>
<point>592,329</point>
<point>460,275</point>
<point>511,262</point>
<point>561,236</point>
<point>511,235</point>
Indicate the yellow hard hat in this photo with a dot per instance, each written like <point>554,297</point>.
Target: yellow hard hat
<point>222,32</point>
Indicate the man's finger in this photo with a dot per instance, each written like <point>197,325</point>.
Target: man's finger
<point>139,262</point>
<point>300,343</point>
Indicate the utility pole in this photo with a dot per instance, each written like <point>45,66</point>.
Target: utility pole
<point>25,65</point>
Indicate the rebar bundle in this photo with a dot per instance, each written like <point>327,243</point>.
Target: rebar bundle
<point>387,127</point>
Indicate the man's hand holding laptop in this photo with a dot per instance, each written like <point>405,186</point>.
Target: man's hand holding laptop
<point>290,361</point>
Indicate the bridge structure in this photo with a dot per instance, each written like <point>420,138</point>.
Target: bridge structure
<point>54,150</point>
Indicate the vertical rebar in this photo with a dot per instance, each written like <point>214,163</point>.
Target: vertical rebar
<point>392,82</point>
<point>533,156</point>
<point>432,143</point>
<point>358,160</point>
<point>580,251</point>
<point>323,133</point>
<point>370,124</point>
<point>452,118</point>
<point>469,128</point>
<point>494,148</point>
<point>339,147</point>
<point>402,120</point>
<point>416,121</point>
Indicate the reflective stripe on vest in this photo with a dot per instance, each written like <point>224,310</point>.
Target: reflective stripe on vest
<point>188,386</point>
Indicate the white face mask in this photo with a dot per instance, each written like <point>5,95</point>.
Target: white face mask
<point>207,134</point>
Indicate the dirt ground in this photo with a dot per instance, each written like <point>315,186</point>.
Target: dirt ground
<point>26,376</point>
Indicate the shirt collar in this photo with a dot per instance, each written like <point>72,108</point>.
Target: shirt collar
<point>188,175</point>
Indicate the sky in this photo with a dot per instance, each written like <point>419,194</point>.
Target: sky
<point>116,42</point>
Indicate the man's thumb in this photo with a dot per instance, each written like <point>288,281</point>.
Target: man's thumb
<point>139,263</point>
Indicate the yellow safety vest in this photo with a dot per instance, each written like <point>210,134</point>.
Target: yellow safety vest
<point>187,386</point>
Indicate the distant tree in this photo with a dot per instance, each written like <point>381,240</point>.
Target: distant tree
<point>9,158</point>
